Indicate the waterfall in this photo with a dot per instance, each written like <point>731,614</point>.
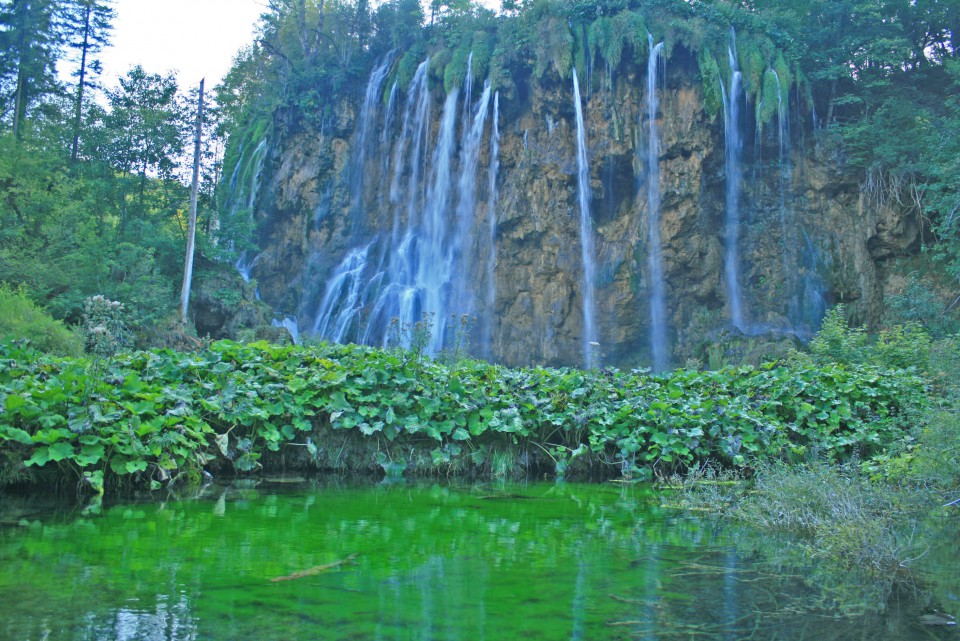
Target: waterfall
<point>393,292</point>
<point>586,232</point>
<point>289,324</point>
<point>245,180</point>
<point>810,289</point>
<point>433,259</point>
<point>787,221</point>
<point>471,140</point>
<point>467,95</point>
<point>486,332</point>
<point>416,277</point>
<point>385,140</point>
<point>361,147</point>
<point>733,148</point>
<point>416,126</point>
<point>243,197</point>
<point>658,298</point>
<point>339,308</point>
<point>245,264</point>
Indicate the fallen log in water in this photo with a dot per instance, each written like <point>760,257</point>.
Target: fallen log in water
<point>320,569</point>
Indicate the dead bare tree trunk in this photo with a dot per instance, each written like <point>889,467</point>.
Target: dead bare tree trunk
<point>192,231</point>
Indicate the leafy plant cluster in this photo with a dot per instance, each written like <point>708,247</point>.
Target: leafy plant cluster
<point>163,415</point>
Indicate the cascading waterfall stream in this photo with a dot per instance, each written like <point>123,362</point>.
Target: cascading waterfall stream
<point>658,298</point>
<point>244,195</point>
<point>462,257</point>
<point>392,293</point>
<point>337,315</point>
<point>361,151</point>
<point>434,261</point>
<point>787,220</point>
<point>486,332</point>
<point>339,309</point>
<point>416,126</point>
<point>586,233</point>
<point>733,150</point>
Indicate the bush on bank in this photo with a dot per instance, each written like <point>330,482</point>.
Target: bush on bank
<point>155,417</point>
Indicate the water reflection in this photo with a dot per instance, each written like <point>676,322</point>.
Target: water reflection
<point>434,562</point>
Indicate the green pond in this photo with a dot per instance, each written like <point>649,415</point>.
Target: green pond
<point>432,562</point>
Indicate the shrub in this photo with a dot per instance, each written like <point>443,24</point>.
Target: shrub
<point>837,342</point>
<point>21,318</point>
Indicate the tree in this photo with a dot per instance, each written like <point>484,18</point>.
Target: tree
<point>88,23</point>
<point>29,47</point>
<point>145,129</point>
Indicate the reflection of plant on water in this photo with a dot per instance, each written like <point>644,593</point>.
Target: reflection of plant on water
<point>766,598</point>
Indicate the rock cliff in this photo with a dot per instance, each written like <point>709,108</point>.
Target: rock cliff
<point>808,237</point>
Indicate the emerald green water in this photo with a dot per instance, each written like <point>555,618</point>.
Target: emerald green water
<point>434,562</point>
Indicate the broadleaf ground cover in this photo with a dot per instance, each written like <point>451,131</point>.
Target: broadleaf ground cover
<point>161,416</point>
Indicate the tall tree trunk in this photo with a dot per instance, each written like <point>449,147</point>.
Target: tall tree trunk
<point>78,108</point>
<point>19,104</point>
<point>20,94</point>
<point>192,231</point>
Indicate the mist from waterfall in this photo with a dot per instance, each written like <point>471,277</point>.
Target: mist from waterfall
<point>733,144</point>
<point>659,345</point>
<point>586,234</point>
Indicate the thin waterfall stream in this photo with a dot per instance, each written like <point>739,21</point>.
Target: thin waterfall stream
<point>658,298</point>
<point>486,331</point>
<point>733,144</point>
<point>586,234</point>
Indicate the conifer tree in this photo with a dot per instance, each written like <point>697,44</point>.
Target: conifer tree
<point>88,25</point>
<point>30,42</point>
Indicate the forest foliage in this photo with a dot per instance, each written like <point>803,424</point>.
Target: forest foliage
<point>93,196</point>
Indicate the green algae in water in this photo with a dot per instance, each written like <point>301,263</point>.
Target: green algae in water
<point>566,561</point>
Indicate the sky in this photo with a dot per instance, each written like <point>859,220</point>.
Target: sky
<point>196,38</point>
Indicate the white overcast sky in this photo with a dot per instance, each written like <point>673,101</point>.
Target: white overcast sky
<point>196,38</point>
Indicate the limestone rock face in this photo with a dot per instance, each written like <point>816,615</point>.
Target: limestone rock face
<point>808,237</point>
